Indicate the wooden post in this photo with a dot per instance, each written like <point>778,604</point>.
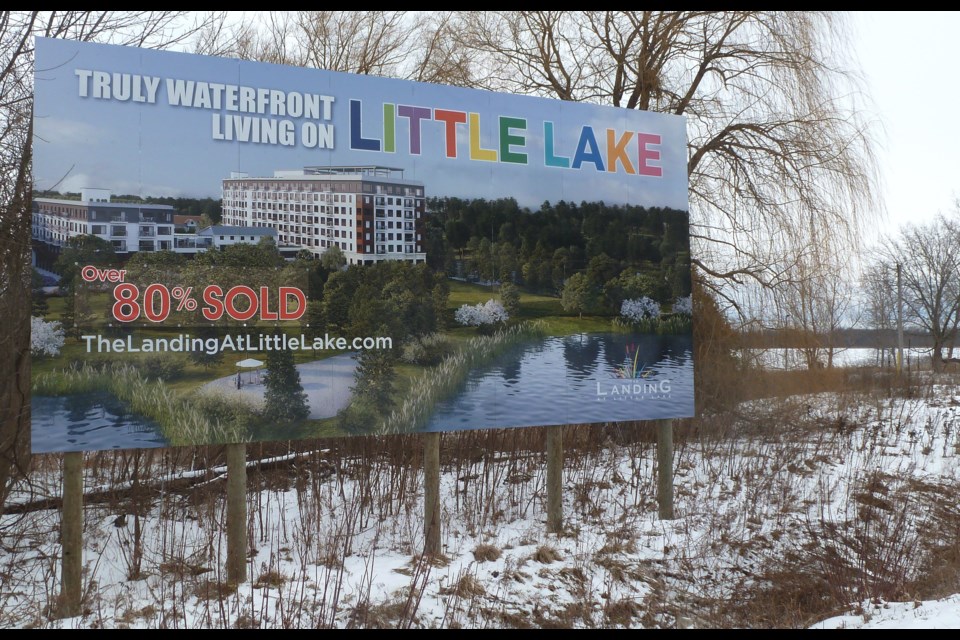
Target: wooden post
<point>665,468</point>
<point>71,536</point>
<point>554,479</point>
<point>431,493</point>
<point>236,513</point>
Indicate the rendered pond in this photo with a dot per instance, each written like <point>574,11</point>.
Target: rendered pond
<point>576,379</point>
<point>88,422</point>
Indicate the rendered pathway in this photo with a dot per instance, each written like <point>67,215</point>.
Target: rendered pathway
<point>326,382</point>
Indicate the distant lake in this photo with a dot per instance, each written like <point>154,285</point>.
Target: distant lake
<point>784,359</point>
<point>91,421</point>
<point>576,379</point>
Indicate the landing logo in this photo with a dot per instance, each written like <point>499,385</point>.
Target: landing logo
<point>633,380</point>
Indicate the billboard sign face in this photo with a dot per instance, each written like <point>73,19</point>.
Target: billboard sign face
<point>250,252</point>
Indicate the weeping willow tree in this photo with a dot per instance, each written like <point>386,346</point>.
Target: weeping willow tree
<point>777,145</point>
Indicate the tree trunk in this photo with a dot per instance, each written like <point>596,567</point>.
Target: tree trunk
<point>15,223</point>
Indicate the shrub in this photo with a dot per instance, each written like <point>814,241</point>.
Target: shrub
<point>359,418</point>
<point>235,413</point>
<point>486,553</point>
<point>426,351</point>
<point>161,367</point>
<point>510,295</point>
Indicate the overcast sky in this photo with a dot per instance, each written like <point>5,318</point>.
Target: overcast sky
<point>910,60</point>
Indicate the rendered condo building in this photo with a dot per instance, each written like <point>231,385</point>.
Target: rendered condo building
<point>129,227</point>
<point>370,212</point>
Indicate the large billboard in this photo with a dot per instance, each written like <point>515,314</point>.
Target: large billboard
<point>242,251</point>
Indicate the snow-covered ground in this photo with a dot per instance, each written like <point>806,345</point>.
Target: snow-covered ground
<point>927,614</point>
<point>816,504</point>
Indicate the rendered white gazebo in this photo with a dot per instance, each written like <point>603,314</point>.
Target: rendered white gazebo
<point>254,365</point>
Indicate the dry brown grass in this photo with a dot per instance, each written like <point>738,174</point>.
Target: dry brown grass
<point>621,612</point>
<point>547,555</point>
<point>213,590</point>
<point>269,579</point>
<point>486,553</point>
<point>466,587</point>
<point>380,616</point>
<point>794,596</point>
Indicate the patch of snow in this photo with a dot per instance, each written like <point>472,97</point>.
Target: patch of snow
<point>927,614</point>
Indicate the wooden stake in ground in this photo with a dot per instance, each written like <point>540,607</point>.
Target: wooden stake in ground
<point>554,479</point>
<point>431,493</point>
<point>71,536</point>
<point>665,468</point>
<point>236,513</point>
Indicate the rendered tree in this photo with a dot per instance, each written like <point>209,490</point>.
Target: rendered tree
<point>284,399</point>
<point>83,250</point>
<point>578,294</point>
<point>375,378</point>
<point>510,295</point>
<point>201,356</point>
<point>333,259</point>
<point>38,300</point>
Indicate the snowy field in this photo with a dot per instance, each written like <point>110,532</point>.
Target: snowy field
<point>787,359</point>
<point>930,614</point>
<point>831,510</point>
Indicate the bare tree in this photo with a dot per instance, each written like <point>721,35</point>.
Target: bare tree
<point>776,141</point>
<point>929,256</point>
<point>439,57</point>
<point>401,44</point>
<point>879,300</point>
<point>15,133</point>
<point>17,31</point>
<point>366,42</point>
<point>880,296</point>
<point>815,302</point>
<point>814,296</point>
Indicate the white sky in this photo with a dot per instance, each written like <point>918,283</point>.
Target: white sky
<point>910,60</point>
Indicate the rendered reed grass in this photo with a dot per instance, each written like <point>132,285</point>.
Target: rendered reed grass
<point>446,379</point>
<point>180,421</point>
<point>673,324</point>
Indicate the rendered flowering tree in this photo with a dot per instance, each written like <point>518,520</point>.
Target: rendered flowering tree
<point>683,306</point>
<point>640,309</point>
<point>483,315</point>
<point>46,338</point>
